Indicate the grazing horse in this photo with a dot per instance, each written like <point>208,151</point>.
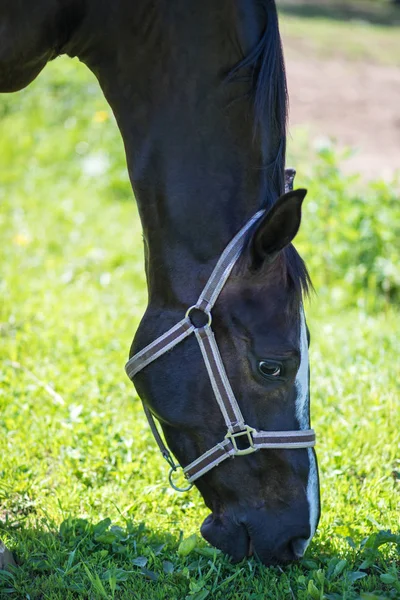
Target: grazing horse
<point>198,90</point>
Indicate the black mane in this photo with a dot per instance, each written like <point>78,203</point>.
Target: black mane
<point>296,272</point>
<point>270,99</point>
<point>266,67</point>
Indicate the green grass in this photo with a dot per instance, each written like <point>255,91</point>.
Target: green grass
<point>347,39</point>
<point>84,499</point>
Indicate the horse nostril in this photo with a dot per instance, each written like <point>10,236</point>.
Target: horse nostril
<point>299,546</point>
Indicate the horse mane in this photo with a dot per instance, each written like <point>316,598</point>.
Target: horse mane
<point>270,104</point>
<point>297,274</point>
<point>265,68</point>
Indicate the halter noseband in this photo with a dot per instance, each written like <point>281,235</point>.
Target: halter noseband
<point>236,426</point>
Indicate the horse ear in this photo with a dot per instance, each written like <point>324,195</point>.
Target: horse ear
<point>278,227</point>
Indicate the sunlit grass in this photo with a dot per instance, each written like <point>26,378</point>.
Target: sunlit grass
<point>75,448</point>
<point>348,39</point>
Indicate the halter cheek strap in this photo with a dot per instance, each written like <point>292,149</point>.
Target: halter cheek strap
<point>237,429</point>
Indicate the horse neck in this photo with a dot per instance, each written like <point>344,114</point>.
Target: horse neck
<point>194,162</point>
<point>193,195</point>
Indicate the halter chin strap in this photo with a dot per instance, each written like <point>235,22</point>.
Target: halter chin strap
<point>240,438</point>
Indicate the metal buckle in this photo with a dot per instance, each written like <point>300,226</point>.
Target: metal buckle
<point>206,313</point>
<point>173,470</point>
<point>248,431</point>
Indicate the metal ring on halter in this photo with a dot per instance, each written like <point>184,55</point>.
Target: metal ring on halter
<point>206,313</point>
<point>170,475</point>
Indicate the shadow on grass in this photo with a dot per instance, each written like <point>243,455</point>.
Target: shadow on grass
<point>375,13</point>
<point>89,561</point>
<point>84,559</point>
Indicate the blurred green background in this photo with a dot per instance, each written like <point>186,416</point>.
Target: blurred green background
<point>84,499</point>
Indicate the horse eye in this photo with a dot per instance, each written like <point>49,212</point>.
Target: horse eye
<point>269,369</point>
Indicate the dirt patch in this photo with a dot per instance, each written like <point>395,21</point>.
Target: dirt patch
<point>357,104</point>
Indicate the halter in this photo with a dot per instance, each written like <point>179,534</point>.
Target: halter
<point>251,438</point>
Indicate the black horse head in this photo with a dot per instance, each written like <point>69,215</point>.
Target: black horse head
<point>266,501</point>
<point>199,92</point>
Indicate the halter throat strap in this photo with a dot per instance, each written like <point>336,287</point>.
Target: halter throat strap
<point>240,439</point>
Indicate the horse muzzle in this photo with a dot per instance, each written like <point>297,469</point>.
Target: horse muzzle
<point>275,539</point>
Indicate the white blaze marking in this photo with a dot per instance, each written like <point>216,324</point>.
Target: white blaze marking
<point>302,414</point>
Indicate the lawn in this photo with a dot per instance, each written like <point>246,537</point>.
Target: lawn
<point>352,30</point>
<point>85,503</point>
